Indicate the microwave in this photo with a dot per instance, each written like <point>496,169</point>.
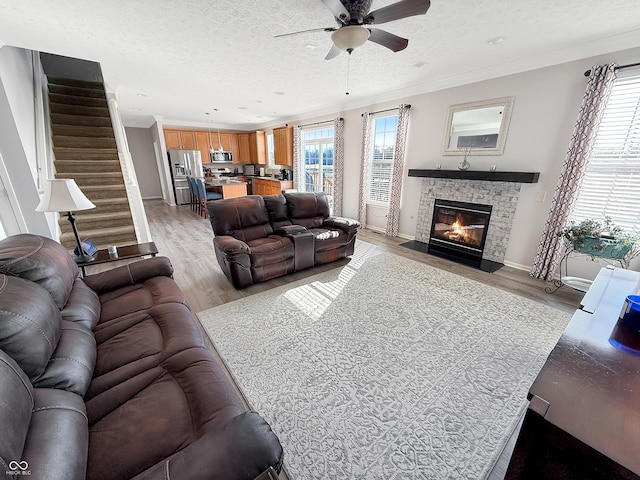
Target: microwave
<point>221,157</point>
<point>249,169</point>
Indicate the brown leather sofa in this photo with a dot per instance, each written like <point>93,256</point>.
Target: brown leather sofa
<point>108,377</point>
<point>259,238</point>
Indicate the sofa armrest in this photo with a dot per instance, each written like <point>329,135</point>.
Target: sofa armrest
<point>130,274</point>
<point>244,447</point>
<point>346,224</point>
<point>230,245</point>
<point>290,230</point>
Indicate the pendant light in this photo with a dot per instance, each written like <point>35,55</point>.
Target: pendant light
<point>220,149</point>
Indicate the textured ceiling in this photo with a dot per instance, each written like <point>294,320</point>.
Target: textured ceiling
<point>177,60</point>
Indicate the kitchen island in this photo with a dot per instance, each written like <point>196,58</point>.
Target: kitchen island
<point>226,187</point>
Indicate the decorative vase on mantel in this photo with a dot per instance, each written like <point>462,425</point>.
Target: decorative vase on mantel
<point>464,165</point>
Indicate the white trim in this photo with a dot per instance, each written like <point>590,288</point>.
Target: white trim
<point>13,223</point>
<point>517,266</point>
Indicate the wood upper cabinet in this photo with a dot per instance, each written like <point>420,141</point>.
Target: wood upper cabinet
<point>172,139</point>
<point>283,146</point>
<point>258,147</point>
<point>234,148</point>
<point>188,139</point>
<point>202,143</point>
<point>243,149</point>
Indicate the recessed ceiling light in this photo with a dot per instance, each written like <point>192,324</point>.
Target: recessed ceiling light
<point>140,95</point>
<point>137,109</point>
<point>310,46</point>
<point>279,93</point>
<point>495,40</point>
<point>242,108</point>
<point>419,64</point>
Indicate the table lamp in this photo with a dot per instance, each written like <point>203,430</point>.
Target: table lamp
<point>63,195</point>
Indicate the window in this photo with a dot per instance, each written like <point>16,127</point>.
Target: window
<point>270,150</point>
<point>611,185</point>
<point>384,143</point>
<point>318,161</point>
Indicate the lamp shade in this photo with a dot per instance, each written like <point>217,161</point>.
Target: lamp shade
<point>350,37</point>
<point>63,195</point>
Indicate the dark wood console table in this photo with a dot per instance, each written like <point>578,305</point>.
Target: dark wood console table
<point>583,420</point>
<point>124,252</point>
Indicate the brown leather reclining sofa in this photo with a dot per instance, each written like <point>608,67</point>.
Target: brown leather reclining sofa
<point>108,377</point>
<point>259,238</point>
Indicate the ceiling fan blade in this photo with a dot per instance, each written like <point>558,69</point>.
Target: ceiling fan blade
<point>333,53</point>
<point>327,29</point>
<point>389,40</point>
<point>338,10</point>
<point>396,11</point>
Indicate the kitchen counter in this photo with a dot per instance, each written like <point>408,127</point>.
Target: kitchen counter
<point>227,187</point>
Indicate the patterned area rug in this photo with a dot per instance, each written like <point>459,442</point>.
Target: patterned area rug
<point>386,368</point>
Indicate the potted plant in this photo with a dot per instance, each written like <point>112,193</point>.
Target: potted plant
<point>600,239</point>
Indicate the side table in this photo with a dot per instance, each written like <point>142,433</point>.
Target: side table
<point>124,252</point>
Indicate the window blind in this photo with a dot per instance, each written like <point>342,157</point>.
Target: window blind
<point>611,185</point>
<point>384,140</point>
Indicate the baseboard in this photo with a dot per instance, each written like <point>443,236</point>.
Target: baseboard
<point>518,266</point>
<point>383,231</point>
<point>152,198</point>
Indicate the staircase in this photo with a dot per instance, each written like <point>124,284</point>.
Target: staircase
<point>85,150</point>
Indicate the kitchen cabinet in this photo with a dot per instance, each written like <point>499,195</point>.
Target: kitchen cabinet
<point>258,148</point>
<point>267,186</point>
<point>188,140</point>
<point>283,146</point>
<point>233,148</point>
<point>172,139</point>
<point>243,149</point>
<point>202,144</point>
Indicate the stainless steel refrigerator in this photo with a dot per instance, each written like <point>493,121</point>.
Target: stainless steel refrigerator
<point>183,164</point>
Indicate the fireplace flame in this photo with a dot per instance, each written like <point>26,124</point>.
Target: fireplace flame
<point>458,232</point>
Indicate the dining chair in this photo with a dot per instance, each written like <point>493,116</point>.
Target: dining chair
<point>204,196</point>
<point>192,194</point>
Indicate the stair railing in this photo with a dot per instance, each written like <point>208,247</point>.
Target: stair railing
<point>136,204</point>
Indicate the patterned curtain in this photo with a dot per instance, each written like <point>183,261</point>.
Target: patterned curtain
<point>593,104</point>
<point>338,165</point>
<point>365,165</point>
<point>393,216</point>
<point>298,162</point>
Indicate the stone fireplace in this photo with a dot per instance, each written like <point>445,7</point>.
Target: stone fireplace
<point>459,230</point>
<point>501,196</point>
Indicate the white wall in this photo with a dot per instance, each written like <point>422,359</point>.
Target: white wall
<point>546,107</point>
<point>17,137</point>
<point>144,160</point>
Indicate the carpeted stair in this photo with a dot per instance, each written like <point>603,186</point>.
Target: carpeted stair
<point>85,150</point>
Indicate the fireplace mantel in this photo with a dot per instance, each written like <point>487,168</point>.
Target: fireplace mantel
<point>518,177</point>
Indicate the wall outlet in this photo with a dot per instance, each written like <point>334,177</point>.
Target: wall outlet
<point>541,196</point>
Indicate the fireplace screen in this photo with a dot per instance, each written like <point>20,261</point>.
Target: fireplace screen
<point>460,225</point>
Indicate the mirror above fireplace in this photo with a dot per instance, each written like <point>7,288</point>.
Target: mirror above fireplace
<point>478,128</point>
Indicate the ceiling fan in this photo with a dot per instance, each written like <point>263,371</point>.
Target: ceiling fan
<point>354,18</point>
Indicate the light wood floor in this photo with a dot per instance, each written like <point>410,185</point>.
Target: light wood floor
<point>186,238</point>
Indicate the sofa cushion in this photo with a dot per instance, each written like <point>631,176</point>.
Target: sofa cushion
<point>138,297</point>
<point>40,260</point>
<point>130,344</point>
<point>16,402</point>
<point>83,306</point>
<point>156,414</point>
<point>58,440</point>
<point>328,238</point>
<point>307,209</point>
<point>43,429</point>
<point>278,210</point>
<point>71,365</point>
<point>30,324</point>
<point>271,249</point>
<point>245,218</point>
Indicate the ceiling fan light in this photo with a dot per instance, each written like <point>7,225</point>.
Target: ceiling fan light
<point>350,37</point>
